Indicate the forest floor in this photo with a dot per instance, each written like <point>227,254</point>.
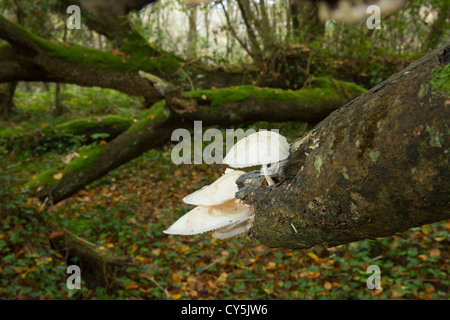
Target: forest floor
<point>125,212</point>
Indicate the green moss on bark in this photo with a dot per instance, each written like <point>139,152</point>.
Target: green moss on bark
<point>157,112</point>
<point>141,58</point>
<point>323,89</point>
<point>81,125</point>
<point>43,179</point>
<point>86,160</point>
<point>440,78</point>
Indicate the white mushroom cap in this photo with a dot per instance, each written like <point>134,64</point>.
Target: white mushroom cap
<point>220,191</point>
<point>203,219</point>
<point>231,231</point>
<point>259,148</point>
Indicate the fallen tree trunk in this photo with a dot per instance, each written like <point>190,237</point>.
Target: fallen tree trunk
<point>28,57</point>
<point>98,265</point>
<point>223,107</point>
<point>376,167</point>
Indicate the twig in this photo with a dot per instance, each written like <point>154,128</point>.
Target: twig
<point>213,263</point>
<point>161,287</point>
<point>191,84</point>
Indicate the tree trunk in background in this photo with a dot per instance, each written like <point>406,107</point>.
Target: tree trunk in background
<point>265,30</point>
<point>295,6</point>
<point>206,22</point>
<point>108,18</point>
<point>305,17</point>
<point>437,30</point>
<point>249,21</point>
<point>192,34</point>
<point>317,27</point>
<point>7,106</point>
<point>376,167</point>
<point>59,110</point>
<point>288,20</point>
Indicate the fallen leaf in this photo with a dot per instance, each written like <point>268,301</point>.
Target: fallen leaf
<point>70,157</point>
<point>313,256</point>
<point>336,285</point>
<point>27,271</point>
<point>260,248</point>
<point>133,247</point>
<point>423,257</point>
<point>223,277</point>
<point>267,290</point>
<point>131,286</point>
<point>311,274</point>
<point>58,176</point>
<point>176,296</point>
<point>176,278</point>
<point>55,234</point>
<point>435,252</point>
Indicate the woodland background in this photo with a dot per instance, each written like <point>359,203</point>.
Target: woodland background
<point>123,213</point>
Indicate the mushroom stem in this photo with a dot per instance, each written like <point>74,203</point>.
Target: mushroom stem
<point>273,169</point>
<point>265,172</point>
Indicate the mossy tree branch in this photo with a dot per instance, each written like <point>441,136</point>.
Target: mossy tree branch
<point>223,107</point>
<point>109,18</point>
<point>31,58</point>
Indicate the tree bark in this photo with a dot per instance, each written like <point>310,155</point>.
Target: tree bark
<point>191,48</point>
<point>376,167</point>
<point>249,21</point>
<point>7,106</point>
<point>109,19</point>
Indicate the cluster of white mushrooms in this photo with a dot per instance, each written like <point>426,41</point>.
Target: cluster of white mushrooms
<point>217,209</point>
